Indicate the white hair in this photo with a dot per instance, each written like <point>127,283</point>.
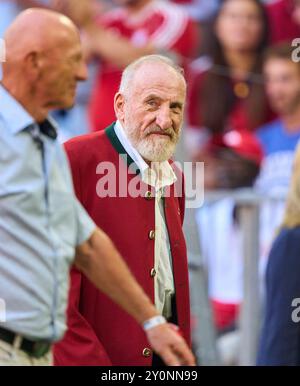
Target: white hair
<point>130,70</point>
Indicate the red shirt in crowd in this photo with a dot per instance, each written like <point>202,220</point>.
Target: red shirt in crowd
<point>282,25</point>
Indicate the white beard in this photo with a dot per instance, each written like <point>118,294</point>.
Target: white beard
<point>156,150</point>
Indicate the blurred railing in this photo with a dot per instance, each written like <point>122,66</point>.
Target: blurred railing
<point>204,336</point>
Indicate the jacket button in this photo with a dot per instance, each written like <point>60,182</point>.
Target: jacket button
<point>153,272</point>
<point>148,195</point>
<point>147,352</point>
<point>152,235</point>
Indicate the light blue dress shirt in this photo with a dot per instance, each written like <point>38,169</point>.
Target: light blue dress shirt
<point>41,222</point>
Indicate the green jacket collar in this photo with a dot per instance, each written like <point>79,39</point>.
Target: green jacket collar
<point>114,140</point>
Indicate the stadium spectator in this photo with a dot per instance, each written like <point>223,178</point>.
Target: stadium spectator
<point>226,90</point>
<point>232,160</point>
<point>279,139</point>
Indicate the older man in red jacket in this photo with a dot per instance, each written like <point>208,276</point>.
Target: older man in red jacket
<point>124,179</point>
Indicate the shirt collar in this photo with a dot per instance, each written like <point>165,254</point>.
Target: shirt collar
<point>130,150</point>
<point>17,119</point>
<point>163,170</point>
<point>49,128</point>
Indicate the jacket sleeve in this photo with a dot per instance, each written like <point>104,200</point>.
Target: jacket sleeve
<point>280,338</point>
<point>80,346</point>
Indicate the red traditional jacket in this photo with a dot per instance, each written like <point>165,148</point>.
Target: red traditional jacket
<point>99,331</point>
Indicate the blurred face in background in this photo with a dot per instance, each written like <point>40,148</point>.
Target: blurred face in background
<point>239,26</point>
<point>282,79</point>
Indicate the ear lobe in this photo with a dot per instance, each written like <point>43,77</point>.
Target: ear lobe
<point>119,102</point>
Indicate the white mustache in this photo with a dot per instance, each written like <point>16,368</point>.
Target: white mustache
<point>157,130</point>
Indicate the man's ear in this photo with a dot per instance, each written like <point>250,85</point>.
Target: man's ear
<point>33,64</point>
<point>119,105</point>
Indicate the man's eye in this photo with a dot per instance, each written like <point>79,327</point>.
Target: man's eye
<point>176,109</point>
<point>152,103</point>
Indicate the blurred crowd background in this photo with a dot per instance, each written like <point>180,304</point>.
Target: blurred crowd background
<point>242,65</point>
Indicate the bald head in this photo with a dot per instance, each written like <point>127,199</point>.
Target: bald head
<point>44,61</point>
<point>36,30</point>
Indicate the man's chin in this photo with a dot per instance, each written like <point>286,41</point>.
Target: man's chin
<point>155,158</point>
<point>69,105</point>
<point>66,105</point>
<point>68,101</point>
<point>160,154</point>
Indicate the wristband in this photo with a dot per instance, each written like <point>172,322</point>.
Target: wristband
<point>153,322</point>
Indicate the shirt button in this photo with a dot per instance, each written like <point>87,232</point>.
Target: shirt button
<point>153,272</point>
<point>152,235</point>
<point>147,352</point>
<point>148,195</point>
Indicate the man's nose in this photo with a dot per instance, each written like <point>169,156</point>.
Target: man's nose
<point>82,71</point>
<point>163,118</point>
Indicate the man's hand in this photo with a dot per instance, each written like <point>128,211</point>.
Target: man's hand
<point>170,346</point>
<point>81,12</point>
